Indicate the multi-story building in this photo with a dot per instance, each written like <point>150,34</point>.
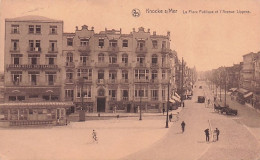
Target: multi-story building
<point>33,49</point>
<point>2,88</point>
<point>256,90</point>
<point>110,71</point>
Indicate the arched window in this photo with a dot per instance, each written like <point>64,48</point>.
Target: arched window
<point>69,59</point>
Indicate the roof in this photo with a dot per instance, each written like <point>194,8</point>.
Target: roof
<point>32,18</point>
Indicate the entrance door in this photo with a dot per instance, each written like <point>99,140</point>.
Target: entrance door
<point>101,104</point>
<point>128,108</point>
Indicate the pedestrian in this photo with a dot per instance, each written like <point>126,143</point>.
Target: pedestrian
<point>217,132</point>
<point>94,136</point>
<point>183,126</point>
<point>183,104</point>
<point>170,117</point>
<point>207,134</point>
<point>163,110</point>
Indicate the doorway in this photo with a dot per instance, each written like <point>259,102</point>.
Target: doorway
<point>128,108</point>
<point>101,104</point>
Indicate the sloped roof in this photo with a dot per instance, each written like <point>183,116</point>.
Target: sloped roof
<point>33,18</point>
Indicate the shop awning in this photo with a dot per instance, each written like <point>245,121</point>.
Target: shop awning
<point>176,98</point>
<point>233,89</point>
<point>243,91</point>
<point>37,104</point>
<point>177,95</point>
<point>248,94</point>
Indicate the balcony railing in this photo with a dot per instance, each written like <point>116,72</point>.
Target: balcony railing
<point>68,81</point>
<point>125,98</point>
<point>84,49</point>
<point>87,63</point>
<point>113,65</point>
<point>112,81</point>
<point>154,65</point>
<point>141,80</point>
<point>100,81</point>
<point>112,49</point>
<point>32,66</point>
<point>124,80</point>
<point>34,49</point>
<point>141,50</point>
<point>14,49</point>
<point>70,64</point>
<point>154,98</point>
<point>112,98</point>
<point>101,64</point>
<point>53,50</point>
<point>125,65</point>
<point>154,81</point>
<point>141,64</point>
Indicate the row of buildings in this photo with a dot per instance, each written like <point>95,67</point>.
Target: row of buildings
<point>96,72</point>
<point>244,78</point>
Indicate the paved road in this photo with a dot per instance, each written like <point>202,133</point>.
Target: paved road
<point>236,141</point>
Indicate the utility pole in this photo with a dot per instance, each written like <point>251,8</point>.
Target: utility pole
<point>168,105</point>
<point>182,74</point>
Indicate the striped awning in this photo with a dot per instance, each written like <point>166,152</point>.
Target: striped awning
<point>248,94</point>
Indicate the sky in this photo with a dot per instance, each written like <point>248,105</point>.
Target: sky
<point>205,40</point>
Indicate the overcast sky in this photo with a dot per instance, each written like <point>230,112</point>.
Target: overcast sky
<point>206,40</point>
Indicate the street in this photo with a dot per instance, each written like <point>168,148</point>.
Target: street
<point>236,140</point>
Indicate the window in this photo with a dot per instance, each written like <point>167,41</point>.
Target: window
<point>141,59</point>
<point>84,42</point>
<point>16,60</point>
<point>20,98</point>
<point>85,74</point>
<point>112,59</point>
<point>35,46</point>
<point>154,74</point>
<point>69,93</point>
<point>33,75</point>
<point>125,58</point>
<point>125,43</point>
<point>141,92</point>
<point>84,60</point>
<point>53,29</point>
<point>141,44</point>
<point>31,29</point>
<point>113,43</point>
<point>38,29</point>
<point>15,29</point>
<point>163,94</point>
<point>112,94</point>
<point>101,43</point>
<point>86,92</point>
<point>69,58</point>
<point>125,75</point>
<point>163,44</point>
<point>16,77</point>
<point>69,75</point>
<point>50,77</point>
<point>163,74</point>
<point>154,59</point>
<point>15,45</point>
<point>101,74</point>
<point>12,98</point>
<point>154,94</point>
<point>51,61</point>
<point>142,74</point>
<point>101,57</point>
<point>112,75</point>
<point>52,46</point>
<point>155,44</point>
<point>69,41</point>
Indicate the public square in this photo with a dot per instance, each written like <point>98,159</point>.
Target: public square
<point>129,138</point>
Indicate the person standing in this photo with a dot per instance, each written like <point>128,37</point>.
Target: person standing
<point>207,134</point>
<point>170,117</point>
<point>183,126</point>
<point>217,132</point>
<point>163,110</point>
<point>183,104</point>
<point>94,136</point>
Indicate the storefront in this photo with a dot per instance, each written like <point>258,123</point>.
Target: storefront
<point>41,113</point>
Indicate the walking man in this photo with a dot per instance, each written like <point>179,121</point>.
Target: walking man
<point>217,132</point>
<point>170,117</point>
<point>163,110</point>
<point>207,134</point>
<point>94,136</point>
<point>183,126</point>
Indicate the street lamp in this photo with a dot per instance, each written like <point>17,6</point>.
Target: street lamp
<point>168,98</point>
<point>140,108</point>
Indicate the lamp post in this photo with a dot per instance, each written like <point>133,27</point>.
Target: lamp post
<point>168,98</point>
<point>140,107</point>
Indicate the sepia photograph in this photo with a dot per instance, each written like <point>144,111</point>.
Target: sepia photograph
<point>129,80</point>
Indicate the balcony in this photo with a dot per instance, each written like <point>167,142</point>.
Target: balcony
<point>113,49</point>
<point>85,64</point>
<point>100,81</point>
<point>154,65</point>
<point>101,65</point>
<point>113,65</point>
<point>141,80</point>
<point>85,80</point>
<point>31,66</point>
<point>154,80</point>
<point>84,49</point>
<point>69,81</point>
<point>112,98</point>
<point>140,64</point>
<point>70,64</point>
<point>14,49</point>
<point>165,50</point>
<point>141,50</point>
<point>34,49</point>
<point>154,98</point>
<point>125,98</point>
<point>125,65</point>
<point>112,81</point>
<point>125,81</point>
<point>53,50</point>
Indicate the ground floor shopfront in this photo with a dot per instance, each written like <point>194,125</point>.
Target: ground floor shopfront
<point>16,114</point>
